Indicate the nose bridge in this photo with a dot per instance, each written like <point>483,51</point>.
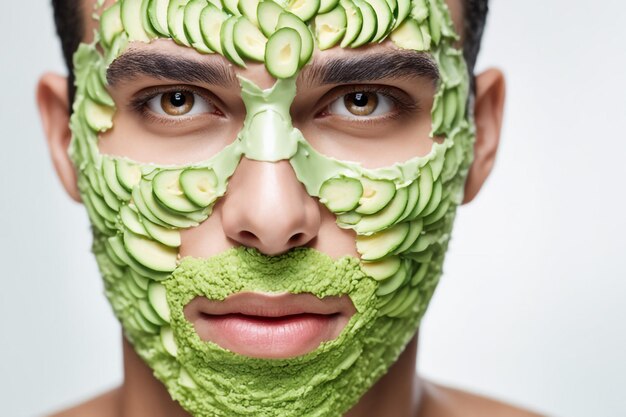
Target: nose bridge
<point>267,133</point>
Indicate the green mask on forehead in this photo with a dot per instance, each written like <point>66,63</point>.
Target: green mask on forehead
<point>402,214</point>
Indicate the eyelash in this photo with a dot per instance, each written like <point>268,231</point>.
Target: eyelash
<point>403,106</point>
<point>139,104</point>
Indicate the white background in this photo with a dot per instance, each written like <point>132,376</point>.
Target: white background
<point>531,308</point>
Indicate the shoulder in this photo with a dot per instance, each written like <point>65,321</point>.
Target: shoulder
<point>440,401</point>
<point>105,405</point>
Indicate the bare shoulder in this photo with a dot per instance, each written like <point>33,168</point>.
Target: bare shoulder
<point>440,401</point>
<point>105,405</point>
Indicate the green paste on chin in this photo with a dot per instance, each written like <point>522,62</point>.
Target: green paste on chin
<point>402,215</point>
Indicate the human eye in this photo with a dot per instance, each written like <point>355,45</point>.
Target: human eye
<point>367,103</point>
<point>174,104</point>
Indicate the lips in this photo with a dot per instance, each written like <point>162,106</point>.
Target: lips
<point>270,326</point>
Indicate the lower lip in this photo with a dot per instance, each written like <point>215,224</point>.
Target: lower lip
<point>269,337</point>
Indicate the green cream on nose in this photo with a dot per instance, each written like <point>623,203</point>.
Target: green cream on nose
<point>267,133</point>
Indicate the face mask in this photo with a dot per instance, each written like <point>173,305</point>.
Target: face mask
<point>402,214</point>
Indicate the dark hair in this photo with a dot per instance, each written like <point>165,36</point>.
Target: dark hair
<point>68,18</point>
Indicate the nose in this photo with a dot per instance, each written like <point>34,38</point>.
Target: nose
<point>267,208</point>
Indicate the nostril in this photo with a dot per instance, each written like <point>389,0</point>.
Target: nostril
<point>246,236</point>
<point>296,239</point>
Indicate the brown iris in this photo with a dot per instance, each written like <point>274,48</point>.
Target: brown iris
<point>177,103</point>
<point>361,103</point>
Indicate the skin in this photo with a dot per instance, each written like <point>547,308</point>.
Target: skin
<point>290,217</point>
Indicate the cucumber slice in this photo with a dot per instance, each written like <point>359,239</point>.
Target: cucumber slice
<point>376,195</point>
<point>415,229</point>
<point>438,214</point>
<point>227,41</point>
<point>354,23</point>
<point>168,341</point>
<point>393,300</point>
<point>248,8</point>
<point>101,207</point>
<point>157,13</point>
<point>403,8</point>
<point>268,13</point>
<point>114,258</point>
<point>164,217</point>
<point>139,202</point>
<point>176,21</point>
<point>423,242</point>
<point>408,301</point>
<point>168,237</point>
<point>419,274</point>
<point>289,20</point>
<point>393,283</point>
<point>369,26</point>
<point>111,24</point>
<point>347,220</point>
<point>199,185</point>
<point>144,324</point>
<point>117,246</point>
<point>327,5</point>
<point>341,194</point>
<point>413,195</point>
<point>141,281</point>
<point>110,176</point>
<point>191,23</point>
<point>384,18</point>
<point>419,10</point>
<point>248,39</point>
<point>282,53</point>
<point>128,174</point>
<point>130,220</point>
<point>211,20</point>
<point>434,201</point>
<point>148,312</point>
<point>304,9</point>
<point>99,117</point>
<point>151,254</point>
<point>145,20</point>
<point>435,20</point>
<point>110,199</point>
<point>132,19</point>
<point>166,186</point>
<point>426,189</point>
<point>232,6</point>
<point>393,4</point>
<point>386,217</point>
<point>97,91</point>
<point>330,27</point>
<point>381,270</point>
<point>409,36</point>
<point>380,244</point>
<point>158,300</point>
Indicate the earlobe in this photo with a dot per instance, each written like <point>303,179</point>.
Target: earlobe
<point>488,111</point>
<point>54,109</point>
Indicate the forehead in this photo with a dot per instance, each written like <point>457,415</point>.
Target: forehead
<point>455,7</point>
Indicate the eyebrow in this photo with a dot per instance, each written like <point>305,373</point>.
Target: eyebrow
<point>133,64</point>
<point>371,67</point>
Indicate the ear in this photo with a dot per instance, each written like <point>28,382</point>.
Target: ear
<point>488,109</point>
<point>54,109</point>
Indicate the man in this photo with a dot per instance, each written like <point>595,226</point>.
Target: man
<point>270,232</point>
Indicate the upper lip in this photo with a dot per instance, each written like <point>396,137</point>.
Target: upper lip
<point>271,305</point>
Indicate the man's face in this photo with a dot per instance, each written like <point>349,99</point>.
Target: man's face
<point>250,228</point>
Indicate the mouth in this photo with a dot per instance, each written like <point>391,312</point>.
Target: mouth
<point>270,326</point>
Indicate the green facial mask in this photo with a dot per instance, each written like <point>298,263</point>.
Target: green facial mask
<point>402,214</point>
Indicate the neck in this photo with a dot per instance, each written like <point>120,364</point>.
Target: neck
<point>397,393</point>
